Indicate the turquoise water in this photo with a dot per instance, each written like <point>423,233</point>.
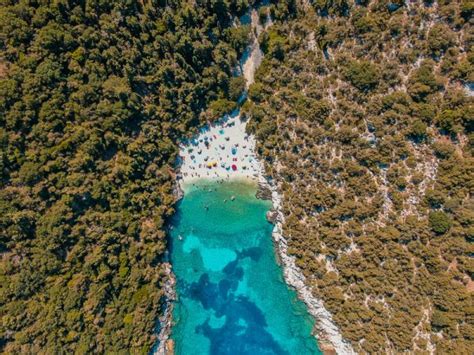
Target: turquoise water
<point>232,298</point>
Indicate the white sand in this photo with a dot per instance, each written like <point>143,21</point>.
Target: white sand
<point>227,145</point>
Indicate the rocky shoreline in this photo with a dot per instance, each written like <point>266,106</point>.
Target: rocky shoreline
<point>264,193</point>
<point>329,338</point>
<point>165,345</point>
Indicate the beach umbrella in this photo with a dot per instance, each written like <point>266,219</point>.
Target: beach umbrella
<point>234,151</point>
<point>234,167</point>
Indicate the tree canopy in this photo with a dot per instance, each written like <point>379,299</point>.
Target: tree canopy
<point>94,97</point>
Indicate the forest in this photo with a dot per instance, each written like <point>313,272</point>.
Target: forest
<point>364,116</point>
<point>363,112</point>
<point>94,97</point>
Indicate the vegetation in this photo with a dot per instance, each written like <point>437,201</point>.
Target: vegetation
<point>361,116</point>
<point>363,120</point>
<point>94,96</point>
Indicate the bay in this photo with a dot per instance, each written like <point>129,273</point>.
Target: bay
<point>232,298</point>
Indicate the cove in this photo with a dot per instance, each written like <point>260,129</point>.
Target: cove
<point>232,298</point>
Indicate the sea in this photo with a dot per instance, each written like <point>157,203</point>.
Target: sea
<point>232,298</point>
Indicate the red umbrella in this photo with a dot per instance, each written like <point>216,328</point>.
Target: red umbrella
<point>234,167</point>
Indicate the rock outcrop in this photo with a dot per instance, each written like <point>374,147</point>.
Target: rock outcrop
<point>164,345</point>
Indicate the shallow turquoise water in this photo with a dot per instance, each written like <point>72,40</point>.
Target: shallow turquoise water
<point>232,296</point>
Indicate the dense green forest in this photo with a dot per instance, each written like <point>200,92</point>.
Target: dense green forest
<point>364,119</point>
<point>94,95</point>
<point>362,116</point>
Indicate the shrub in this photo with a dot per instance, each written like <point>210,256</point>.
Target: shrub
<point>440,38</point>
<point>418,130</point>
<point>440,222</point>
<point>439,319</point>
<point>221,107</point>
<point>423,82</point>
<point>236,87</point>
<point>364,75</point>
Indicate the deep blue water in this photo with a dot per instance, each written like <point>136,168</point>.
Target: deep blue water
<point>232,298</point>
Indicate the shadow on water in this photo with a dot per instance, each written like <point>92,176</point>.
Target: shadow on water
<point>245,328</point>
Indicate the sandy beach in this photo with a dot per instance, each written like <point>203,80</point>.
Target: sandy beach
<point>221,151</point>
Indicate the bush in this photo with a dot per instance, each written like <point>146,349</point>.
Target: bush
<point>273,44</point>
<point>221,107</point>
<point>439,319</point>
<point>467,8</point>
<point>423,82</point>
<point>236,87</point>
<point>443,150</point>
<point>440,38</point>
<point>440,222</point>
<point>364,75</point>
<point>418,130</point>
<point>449,121</point>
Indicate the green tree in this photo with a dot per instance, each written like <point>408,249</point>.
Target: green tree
<point>440,222</point>
<point>364,75</point>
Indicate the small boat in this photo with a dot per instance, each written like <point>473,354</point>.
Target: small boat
<point>232,198</point>
<point>180,237</point>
